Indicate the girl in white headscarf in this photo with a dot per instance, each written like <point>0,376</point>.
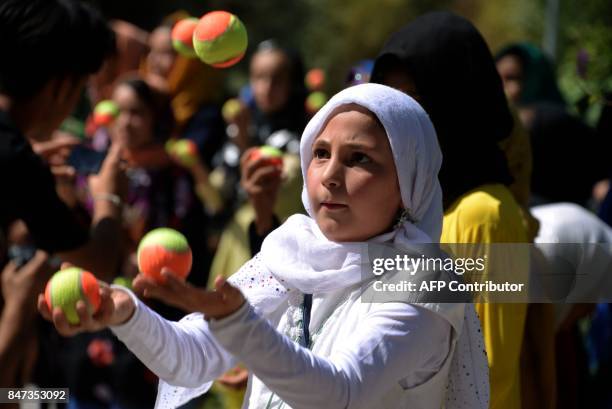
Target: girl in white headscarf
<point>294,315</point>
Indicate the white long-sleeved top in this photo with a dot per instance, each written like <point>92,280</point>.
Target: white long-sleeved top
<point>378,351</point>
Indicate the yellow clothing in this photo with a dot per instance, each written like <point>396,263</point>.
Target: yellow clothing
<point>233,249</point>
<point>223,397</point>
<point>490,214</point>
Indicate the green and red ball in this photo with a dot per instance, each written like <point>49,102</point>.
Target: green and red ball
<point>271,156</point>
<point>105,112</point>
<point>70,285</point>
<point>164,248</point>
<point>220,39</point>
<point>182,36</point>
<point>185,151</point>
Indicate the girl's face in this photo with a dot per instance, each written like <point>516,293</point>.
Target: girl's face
<point>352,182</point>
<point>134,125</point>
<point>162,55</point>
<point>270,79</point>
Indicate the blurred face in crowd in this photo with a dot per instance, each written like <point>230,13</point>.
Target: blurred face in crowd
<point>352,181</point>
<point>270,79</point>
<point>134,125</point>
<point>511,72</point>
<point>162,54</point>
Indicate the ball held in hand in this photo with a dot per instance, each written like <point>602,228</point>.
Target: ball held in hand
<point>271,155</point>
<point>105,112</point>
<point>220,39</point>
<point>182,36</point>
<point>70,285</point>
<point>164,248</point>
<point>184,151</point>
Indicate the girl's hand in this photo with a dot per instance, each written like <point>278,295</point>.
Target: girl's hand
<point>116,307</point>
<point>217,304</point>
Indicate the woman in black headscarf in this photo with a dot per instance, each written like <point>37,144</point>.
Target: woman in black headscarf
<point>449,63</point>
<point>444,63</point>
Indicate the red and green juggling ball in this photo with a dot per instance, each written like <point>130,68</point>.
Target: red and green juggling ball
<point>105,112</point>
<point>182,36</point>
<point>271,155</point>
<point>164,248</point>
<point>220,39</point>
<point>70,285</point>
<point>185,151</point>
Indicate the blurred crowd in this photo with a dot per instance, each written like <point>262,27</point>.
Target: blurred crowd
<point>77,191</point>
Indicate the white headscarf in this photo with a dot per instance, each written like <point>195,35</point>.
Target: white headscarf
<point>415,151</point>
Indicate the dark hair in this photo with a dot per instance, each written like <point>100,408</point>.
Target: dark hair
<point>158,103</point>
<point>45,39</point>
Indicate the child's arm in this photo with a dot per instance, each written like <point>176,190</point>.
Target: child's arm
<point>182,353</point>
<point>396,341</point>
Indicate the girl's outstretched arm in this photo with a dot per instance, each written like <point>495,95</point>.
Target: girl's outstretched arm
<point>182,353</point>
<point>394,342</point>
